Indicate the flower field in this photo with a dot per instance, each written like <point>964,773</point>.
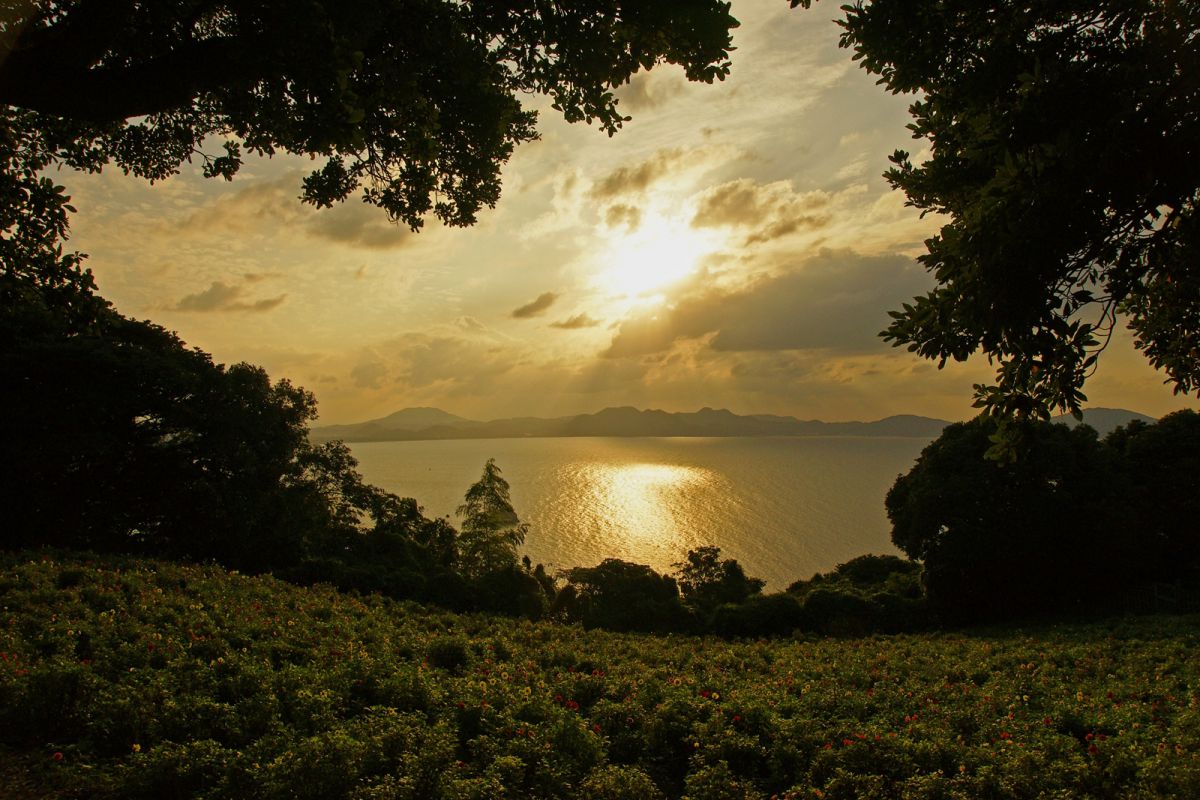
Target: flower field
<point>133,679</point>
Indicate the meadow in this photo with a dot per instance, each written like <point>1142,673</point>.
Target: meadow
<point>139,679</point>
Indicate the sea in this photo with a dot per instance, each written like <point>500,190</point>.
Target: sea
<point>784,507</point>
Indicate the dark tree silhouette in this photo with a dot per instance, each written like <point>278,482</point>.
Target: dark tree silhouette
<point>417,103</point>
<point>707,581</point>
<point>1159,469</point>
<point>1064,141</point>
<point>622,596</point>
<point>1001,540</point>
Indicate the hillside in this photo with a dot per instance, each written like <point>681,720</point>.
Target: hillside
<point>131,679</point>
<point>620,421</point>
<point>1105,420</point>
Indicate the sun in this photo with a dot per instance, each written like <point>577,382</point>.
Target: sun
<point>638,265</point>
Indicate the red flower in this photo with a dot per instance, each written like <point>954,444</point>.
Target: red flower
<point>1092,749</point>
<point>57,756</point>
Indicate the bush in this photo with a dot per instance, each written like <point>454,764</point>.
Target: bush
<point>449,653</point>
<point>762,615</point>
<point>618,783</point>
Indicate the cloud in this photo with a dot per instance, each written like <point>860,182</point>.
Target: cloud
<point>221,296</point>
<point>447,362</point>
<point>766,211</point>
<point>368,374</point>
<point>622,215</point>
<point>834,302</point>
<point>359,225</point>
<point>535,307</point>
<point>637,178</point>
<point>649,90</point>
<point>273,205</point>
<point>576,322</point>
<point>259,277</point>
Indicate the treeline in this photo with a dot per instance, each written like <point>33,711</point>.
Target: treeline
<point>119,438</point>
<point>1071,525</point>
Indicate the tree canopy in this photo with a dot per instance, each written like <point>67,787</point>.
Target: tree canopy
<point>491,530</point>
<point>1063,141</point>
<point>417,103</point>
<point>1075,525</point>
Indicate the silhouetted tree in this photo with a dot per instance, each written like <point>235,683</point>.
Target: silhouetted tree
<point>491,532</point>
<point>707,581</point>
<point>416,103</point>
<point>1159,492</point>
<point>1064,149</point>
<point>622,596</point>
<point>999,540</point>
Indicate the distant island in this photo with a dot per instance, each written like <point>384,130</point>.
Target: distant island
<point>414,424</point>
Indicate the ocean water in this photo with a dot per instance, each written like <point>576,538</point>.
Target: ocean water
<point>785,507</point>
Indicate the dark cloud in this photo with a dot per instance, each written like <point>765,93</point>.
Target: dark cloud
<point>636,179</point>
<point>836,301</point>
<point>649,90</point>
<point>223,297</point>
<point>269,206</point>
<point>259,277</point>
<point>359,225</point>
<point>576,322</point>
<point>622,215</point>
<point>766,211</point>
<point>535,307</point>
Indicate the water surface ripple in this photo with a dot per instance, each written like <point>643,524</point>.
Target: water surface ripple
<point>785,507</point>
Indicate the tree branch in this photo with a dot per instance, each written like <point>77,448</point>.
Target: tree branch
<point>37,80</point>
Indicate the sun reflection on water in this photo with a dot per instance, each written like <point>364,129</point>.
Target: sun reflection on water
<point>641,503</point>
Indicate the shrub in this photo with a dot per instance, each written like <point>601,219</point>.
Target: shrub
<point>449,653</point>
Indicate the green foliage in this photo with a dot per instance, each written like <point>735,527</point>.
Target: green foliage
<point>706,581</point>
<point>1062,150</point>
<point>491,531</point>
<point>1072,526</point>
<point>449,653</point>
<point>1157,467</point>
<point>134,679</point>
<point>618,783</point>
<point>417,104</point>
<point>621,596</point>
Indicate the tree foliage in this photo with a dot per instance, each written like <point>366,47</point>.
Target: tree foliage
<point>417,104</point>
<point>491,531</point>
<point>707,581</point>
<point>1073,526</point>
<point>1064,147</point>
<point>622,596</point>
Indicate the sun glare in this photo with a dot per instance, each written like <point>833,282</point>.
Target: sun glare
<point>638,265</point>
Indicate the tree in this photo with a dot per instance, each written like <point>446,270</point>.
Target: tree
<point>1159,472</point>
<point>491,531</point>
<point>415,103</point>
<point>706,581</point>
<point>1001,540</point>
<point>1064,147</point>
<point>622,596</point>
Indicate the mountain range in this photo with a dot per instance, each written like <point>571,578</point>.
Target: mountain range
<point>412,424</point>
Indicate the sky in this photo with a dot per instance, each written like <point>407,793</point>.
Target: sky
<point>734,246</point>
